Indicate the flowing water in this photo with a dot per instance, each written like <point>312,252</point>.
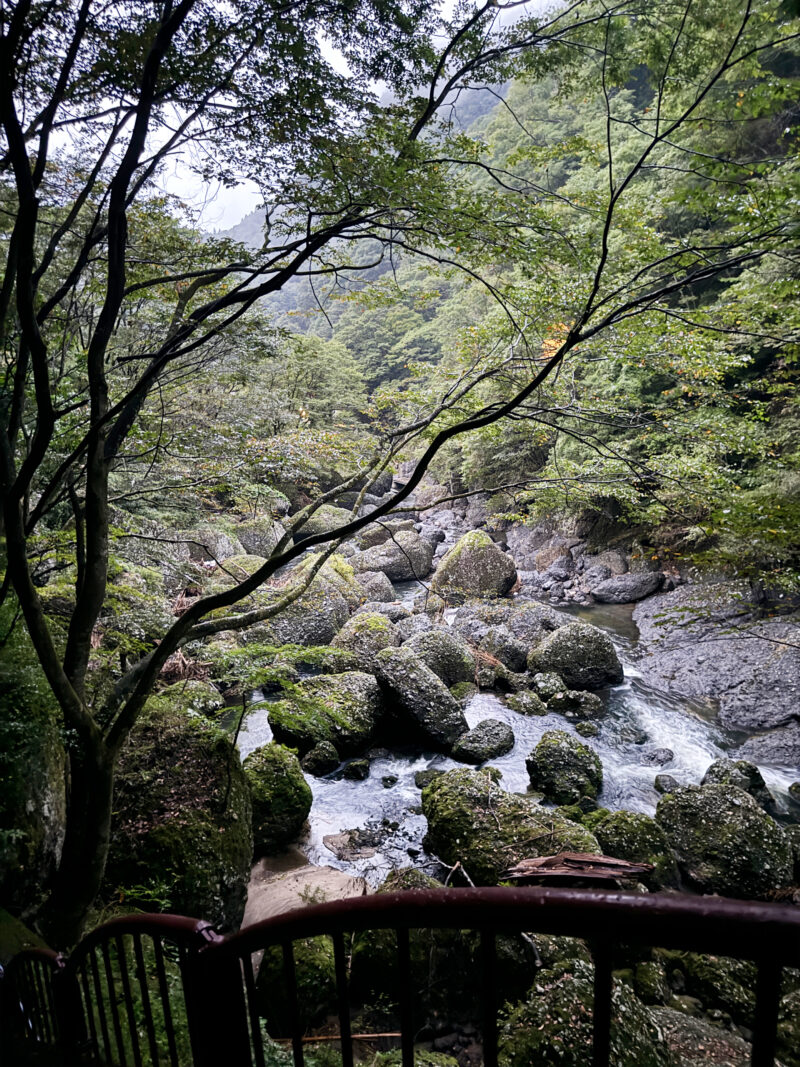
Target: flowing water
<point>638,720</point>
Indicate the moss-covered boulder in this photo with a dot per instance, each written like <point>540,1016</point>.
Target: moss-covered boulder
<point>724,842</point>
<point>564,769</point>
<point>719,982</point>
<point>695,1042</point>
<point>381,532</point>
<point>260,535</point>
<point>181,836</point>
<point>420,703</point>
<point>365,634</point>
<point>321,521</point>
<point>789,1029</point>
<point>576,704</point>
<point>546,684</point>
<point>33,769</point>
<point>473,821</point>
<point>582,655</point>
<point>341,708</point>
<point>193,696</point>
<point>336,575</point>
<point>490,738</point>
<point>475,566</point>
<point>502,645</point>
<point>280,794</point>
<point>402,558</point>
<point>447,655</point>
<point>322,759</point>
<point>527,703</point>
<point>630,835</point>
<point>554,1025</point>
<point>744,775</point>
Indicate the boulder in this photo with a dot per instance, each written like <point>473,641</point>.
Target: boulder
<point>531,623</point>
<point>576,704</point>
<point>527,703</point>
<point>564,769</point>
<point>405,557</point>
<point>280,794</point>
<point>260,535</point>
<point>394,610</point>
<point>475,566</point>
<point>546,685</point>
<point>665,783</point>
<point>212,542</point>
<point>554,1024</point>
<point>475,619</point>
<point>365,634</point>
<point>325,519</point>
<point>413,625</point>
<point>376,585</point>
<point>501,644</point>
<point>473,821</point>
<point>779,747</point>
<point>724,842</point>
<point>490,738</point>
<point>340,708</point>
<point>320,760</point>
<point>445,653</point>
<point>742,774</point>
<point>657,757</point>
<point>629,835</point>
<point>175,846</point>
<point>417,698</point>
<point>695,1042</point>
<point>380,532</point>
<point>357,770</point>
<point>627,588</point>
<point>581,654</point>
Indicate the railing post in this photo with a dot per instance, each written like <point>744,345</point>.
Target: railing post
<point>69,1014</point>
<point>216,1012</point>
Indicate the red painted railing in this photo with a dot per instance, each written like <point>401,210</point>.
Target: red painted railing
<point>151,989</point>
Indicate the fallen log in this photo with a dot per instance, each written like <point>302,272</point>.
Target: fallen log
<point>567,867</point>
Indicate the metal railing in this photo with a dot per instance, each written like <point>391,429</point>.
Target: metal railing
<point>153,989</point>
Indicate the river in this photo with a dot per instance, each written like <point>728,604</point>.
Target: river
<point>639,719</point>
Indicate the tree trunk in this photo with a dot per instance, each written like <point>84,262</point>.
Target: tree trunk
<point>63,915</point>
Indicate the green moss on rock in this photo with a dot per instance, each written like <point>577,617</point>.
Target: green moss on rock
<point>630,835</point>
<point>475,566</point>
<point>182,827</point>
<point>724,842</point>
<point>364,635</point>
<point>554,1025</point>
<point>316,986</point>
<point>340,708</point>
<point>564,769</point>
<point>280,794</point>
<point>473,821</point>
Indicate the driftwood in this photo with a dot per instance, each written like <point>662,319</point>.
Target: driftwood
<point>569,867</point>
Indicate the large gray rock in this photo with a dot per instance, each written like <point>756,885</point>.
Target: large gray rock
<point>703,641</point>
<point>380,532</point>
<point>501,644</point>
<point>490,738</point>
<point>376,585</point>
<point>627,588</point>
<point>724,842</point>
<point>583,656</point>
<point>405,557</point>
<point>340,708</point>
<point>630,835</point>
<point>475,566</point>
<point>473,821</point>
<point>417,698</point>
<point>779,747</point>
<point>564,769</point>
<point>447,655</point>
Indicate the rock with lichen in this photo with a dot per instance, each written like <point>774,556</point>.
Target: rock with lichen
<point>343,709</point>
<point>280,794</point>
<point>630,835</point>
<point>475,566</point>
<point>554,1024</point>
<point>724,842</point>
<point>473,821</point>
<point>418,701</point>
<point>582,655</point>
<point>564,769</point>
<point>447,655</point>
<point>490,738</point>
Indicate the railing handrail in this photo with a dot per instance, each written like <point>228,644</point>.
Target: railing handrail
<point>659,919</point>
<point>213,968</point>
